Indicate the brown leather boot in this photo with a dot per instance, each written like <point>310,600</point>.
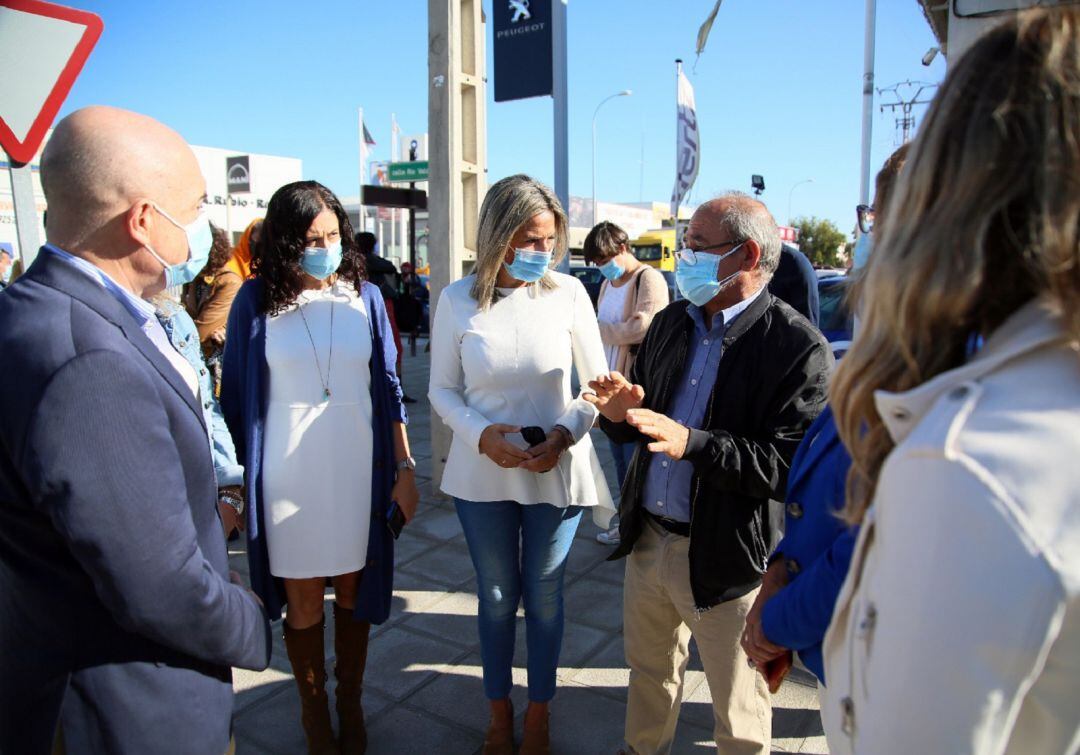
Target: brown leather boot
<point>500,734</point>
<point>535,739</point>
<point>305,647</point>
<point>350,646</point>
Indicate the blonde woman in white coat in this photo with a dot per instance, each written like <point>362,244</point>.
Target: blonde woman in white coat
<point>958,628</point>
<point>504,343</point>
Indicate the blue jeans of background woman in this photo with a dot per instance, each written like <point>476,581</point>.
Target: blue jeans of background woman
<point>519,552</point>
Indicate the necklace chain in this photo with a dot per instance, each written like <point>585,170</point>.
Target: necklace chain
<point>330,358</point>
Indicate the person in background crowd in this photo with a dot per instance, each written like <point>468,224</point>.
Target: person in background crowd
<point>521,464</point>
<point>961,608</point>
<point>631,295</point>
<point>795,283</point>
<point>208,298</point>
<point>183,335</point>
<point>806,570</point>
<point>240,262</point>
<point>384,275</point>
<point>724,386</point>
<point>380,271</point>
<point>116,605</point>
<point>5,266</point>
<point>310,395</point>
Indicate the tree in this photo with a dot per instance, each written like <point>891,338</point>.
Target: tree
<point>821,241</point>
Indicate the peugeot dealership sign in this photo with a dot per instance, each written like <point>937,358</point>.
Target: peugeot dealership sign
<point>238,174</point>
<point>522,49</point>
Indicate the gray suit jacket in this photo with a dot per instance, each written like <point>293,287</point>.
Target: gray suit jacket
<point>115,601</point>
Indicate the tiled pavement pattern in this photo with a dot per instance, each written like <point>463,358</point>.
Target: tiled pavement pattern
<point>423,691</point>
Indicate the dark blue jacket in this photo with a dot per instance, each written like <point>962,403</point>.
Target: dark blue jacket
<point>816,548</point>
<point>114,583</point>
<point>245,395</point>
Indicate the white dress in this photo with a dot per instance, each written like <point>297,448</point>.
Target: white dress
<point>512,364</point>
<point>317,455</point>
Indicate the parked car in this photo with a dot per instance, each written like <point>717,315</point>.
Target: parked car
<point>590,277</point>
<point>834,317</point>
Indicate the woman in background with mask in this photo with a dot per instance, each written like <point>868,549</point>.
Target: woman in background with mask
<point>632,293</point>
<point>314,405</point>
<point>521,465</point>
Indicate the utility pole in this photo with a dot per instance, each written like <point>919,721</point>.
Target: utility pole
<point>412,211</point>
<point>457,182</point>
<point>906,121</point>
<point>868,99</point>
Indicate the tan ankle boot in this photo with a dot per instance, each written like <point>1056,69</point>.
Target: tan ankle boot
<point>305,648</point>
<point>536,739</point>
<point>350,646</point>
<point>500,734</point>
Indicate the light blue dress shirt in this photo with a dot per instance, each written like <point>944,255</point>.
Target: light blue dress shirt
<point>667,482</point>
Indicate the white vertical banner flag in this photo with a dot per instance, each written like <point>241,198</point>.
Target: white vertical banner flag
<point>687,143</point>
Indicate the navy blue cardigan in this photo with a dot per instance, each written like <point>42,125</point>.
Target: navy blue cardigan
<point>245,394</point>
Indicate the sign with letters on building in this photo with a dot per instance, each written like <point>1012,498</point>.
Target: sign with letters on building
<point>523,54</point>
<point>238,174</point>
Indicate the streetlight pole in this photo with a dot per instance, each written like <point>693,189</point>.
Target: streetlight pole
<point>623,93</point>
<point>800,183</point>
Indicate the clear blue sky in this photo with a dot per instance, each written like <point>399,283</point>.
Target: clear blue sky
<point>778,88</point>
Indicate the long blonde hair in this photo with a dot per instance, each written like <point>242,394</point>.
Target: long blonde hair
<point>985,217</point>
<point>510,204</point>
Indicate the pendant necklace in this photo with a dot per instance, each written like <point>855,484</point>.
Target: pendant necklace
<point>329,359</point>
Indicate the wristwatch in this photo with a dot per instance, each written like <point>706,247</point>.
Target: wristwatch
<point>232,499</point>
<point>407,463</point>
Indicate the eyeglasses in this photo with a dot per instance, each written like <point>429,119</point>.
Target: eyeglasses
<point>688,256</point>
<point>865,214</point>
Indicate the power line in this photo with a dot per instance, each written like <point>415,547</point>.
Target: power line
<point>905,121</point>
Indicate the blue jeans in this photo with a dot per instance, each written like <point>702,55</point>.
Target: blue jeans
<point>622,452</point>
<point>506,573</point>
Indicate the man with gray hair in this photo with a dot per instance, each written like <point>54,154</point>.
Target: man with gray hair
<point>117,611</point>
<point>725,384</point>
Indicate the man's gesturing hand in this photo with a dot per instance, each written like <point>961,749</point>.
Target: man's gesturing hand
<point>668,435</point>
<point>614,395</point>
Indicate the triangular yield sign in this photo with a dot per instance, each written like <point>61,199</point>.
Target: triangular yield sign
<point>43,47</point>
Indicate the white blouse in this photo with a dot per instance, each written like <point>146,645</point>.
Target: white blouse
<point>512,364</point>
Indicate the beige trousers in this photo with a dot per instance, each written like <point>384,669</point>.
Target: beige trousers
<point>658,621</point>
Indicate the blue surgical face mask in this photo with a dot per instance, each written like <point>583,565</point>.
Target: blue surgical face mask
<point>322,263</point>
<point>612,270</point>
<point>528,265</point>
<point>200,240</point>
<point>698,282</point>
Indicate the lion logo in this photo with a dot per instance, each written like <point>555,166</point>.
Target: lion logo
<point>521,10</point>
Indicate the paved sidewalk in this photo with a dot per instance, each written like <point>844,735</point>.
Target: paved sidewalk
<point>422,689</point>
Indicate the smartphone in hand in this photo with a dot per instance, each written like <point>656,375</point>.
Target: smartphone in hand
<point>533,435</point>
<point>395,520</point>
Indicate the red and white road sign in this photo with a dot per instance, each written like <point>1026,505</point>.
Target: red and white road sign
<point>42,50</point>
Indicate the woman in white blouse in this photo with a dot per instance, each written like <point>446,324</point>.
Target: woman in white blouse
<point>504,342</point>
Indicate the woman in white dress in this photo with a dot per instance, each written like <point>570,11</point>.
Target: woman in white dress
<point>320,499</point>
<point>521,465</point>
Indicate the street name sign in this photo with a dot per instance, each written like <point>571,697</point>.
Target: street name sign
<point>408,172</point>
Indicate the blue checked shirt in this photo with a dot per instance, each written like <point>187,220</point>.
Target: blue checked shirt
<point>667,482</point>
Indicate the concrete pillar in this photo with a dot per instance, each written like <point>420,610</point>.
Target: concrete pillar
<point>457,130</point>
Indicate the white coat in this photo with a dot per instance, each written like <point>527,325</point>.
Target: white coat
<point>958,627</point>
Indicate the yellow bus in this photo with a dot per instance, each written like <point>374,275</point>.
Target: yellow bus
<point>656,248</point>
